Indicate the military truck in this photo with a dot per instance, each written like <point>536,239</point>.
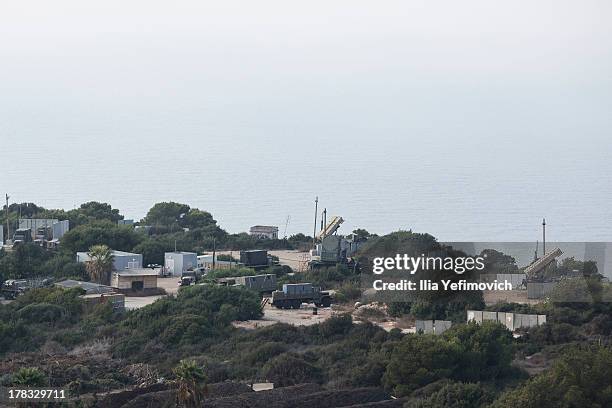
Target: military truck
<point>294,294</point>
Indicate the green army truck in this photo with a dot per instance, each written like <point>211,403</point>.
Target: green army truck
<point>293,295</point>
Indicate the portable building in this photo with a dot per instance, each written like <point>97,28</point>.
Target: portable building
<point>121,260</point>
<point>178,262</point>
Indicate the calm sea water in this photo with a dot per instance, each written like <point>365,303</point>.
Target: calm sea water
<point>488,190</point>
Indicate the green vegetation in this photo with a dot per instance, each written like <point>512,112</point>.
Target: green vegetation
<point>29,377</point>
<point>93,223</point>
<point>190,339</point>
<point>468,352</point>
<point>191,379</point>
<point>580,378</point>
<point>100,264</point>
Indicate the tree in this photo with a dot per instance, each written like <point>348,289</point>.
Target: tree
<point>196,218</point>
<point>166,214</point>
<point>100,211</point>
<point>192,384</point>
<point>486,350</point>
<point>580,378</point>
<point>291,369</point>
<point>419,360</point>
<point>100,264</point>
<point>457,395</point>
<point>119,237</point>
<point>153,249</point>
<point>498,262</point>
<point>362,233</point>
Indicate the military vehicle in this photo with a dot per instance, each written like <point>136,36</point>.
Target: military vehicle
<point>293,295</point>
<point>259,283</point>
<point>13,288</point>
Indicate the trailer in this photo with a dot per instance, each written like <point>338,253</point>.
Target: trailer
<point>260,283</point>
<point>293,295</point>
<point>255,259</point>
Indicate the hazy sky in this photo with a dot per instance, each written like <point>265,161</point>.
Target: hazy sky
<point>132,102</point>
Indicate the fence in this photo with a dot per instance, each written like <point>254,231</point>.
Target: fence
<point>512,321</point>
<point>432,326</point>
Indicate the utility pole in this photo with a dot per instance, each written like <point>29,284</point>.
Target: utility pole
<point>214,252</point>
<point>314,233</point>
<point>543,236</point>
<point>8,224</point>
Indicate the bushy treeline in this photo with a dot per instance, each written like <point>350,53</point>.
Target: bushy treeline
<point>169,225</point>
<point>470,365</point>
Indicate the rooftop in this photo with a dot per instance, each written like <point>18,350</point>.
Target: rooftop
<point>138,272</point>
<point>264,227</point>
<point>115,253</point>
<point>89,287</point>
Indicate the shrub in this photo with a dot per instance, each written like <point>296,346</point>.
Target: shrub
<point>290,369</point>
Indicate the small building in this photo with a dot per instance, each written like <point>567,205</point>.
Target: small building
<point>89,287</point>
<point>176,263</point>
<point>121,260</point>
<point>264,231</point>
<point>135,280</point>
<point>125,222</point>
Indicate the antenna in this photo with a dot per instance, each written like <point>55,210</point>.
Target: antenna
<point>314,232</point>
<point>286,225</point>
<point>543,236</point>
<point>8,224</point>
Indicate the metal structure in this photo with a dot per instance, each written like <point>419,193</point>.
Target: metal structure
<point>432,326</point>
<point>256,258</point>
<point>259,283</point>
<point>331,227</point>
<point>539,265</point>
<point>512,321</point>
<point>175,263</point>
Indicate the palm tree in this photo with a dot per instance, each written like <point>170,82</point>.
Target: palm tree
<point>192,384</point>
<point>100,263</point>
<point>29,377</point>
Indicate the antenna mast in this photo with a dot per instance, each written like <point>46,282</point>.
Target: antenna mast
<point>314,232</point>
<point>286,225</point>
<point>543,236</point>
<point>8,224</point>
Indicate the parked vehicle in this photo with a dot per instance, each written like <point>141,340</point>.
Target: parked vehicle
<point>187,281</point>
<point>293,295</point>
